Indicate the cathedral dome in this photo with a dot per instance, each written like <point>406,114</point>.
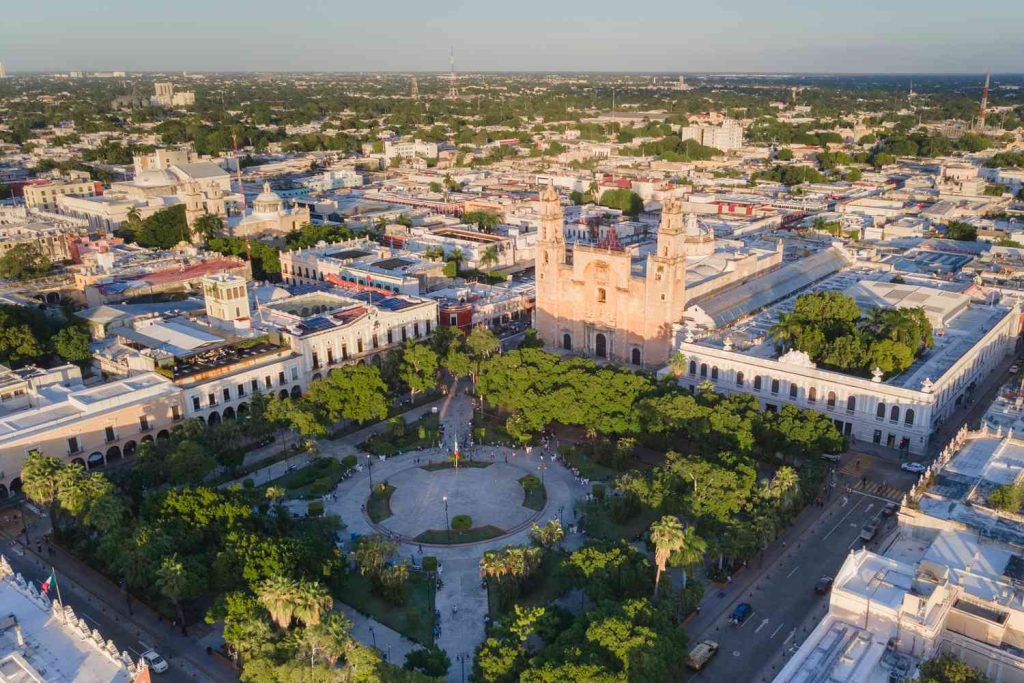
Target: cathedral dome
<point>267,202</point>
<point>155,178</point>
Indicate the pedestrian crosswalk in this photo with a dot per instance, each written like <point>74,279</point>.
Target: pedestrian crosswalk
<point>875,489</point>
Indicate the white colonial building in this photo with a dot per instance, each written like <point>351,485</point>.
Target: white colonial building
<point>899,412</point>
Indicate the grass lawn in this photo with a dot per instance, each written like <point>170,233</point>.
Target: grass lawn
<point>601,526</point>
<point>549,584</point>
<point>534,497</point>
<point>312,481</point>
<point>414,619</point>
<point>419,434</point>
<point>378,507</point>
<point>441,537</point>
<point>448,464</point>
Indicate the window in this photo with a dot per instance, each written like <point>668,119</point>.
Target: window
<point>739,379</point>
<point>714,374</point>
<point>281,381</point>
<point>894,414</point>
<point>359,345</point>
<point>255,384</point>
<point>240,390</point>
<point>793,391</point>
<point>416,330</point>
<point>831,400</point>
<point>143,423</point>
<point>703,369</point>
<point>775,386</point>
<point>693,367</point>
<point>330,356</point>
<point>851,404</point>
<point>295,374</point>
<point>175,412</point>
<point>757,383</point>
<point>880,412</point>
<point>73,446</point>
<point>212,397</point>
<point>405,335</point>
<point>196,403</point>
<point>267,383</point>
<point>391,336</point>
<point>374,341</point>
<point>812,395</point>
<point>602,295</point>
<point>428,327</point>
<point>111,436</point>
<point>908,417</point>
<point>316,363</point>
<point>227,394</point>
<point>344,351</point>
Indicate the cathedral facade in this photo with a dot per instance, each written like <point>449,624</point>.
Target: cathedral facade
<point>613,303</point>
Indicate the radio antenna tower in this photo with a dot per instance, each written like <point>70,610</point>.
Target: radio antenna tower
<point>453,92</point>
<point>982,112</point>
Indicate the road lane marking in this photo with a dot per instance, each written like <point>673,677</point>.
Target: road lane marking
<point>777,629</point>
<point>793,571</point>
<point>789,637</point>
<point>851,511</point>
<point>747,620</point>
<point>763,624</point>
<point>868,508</point>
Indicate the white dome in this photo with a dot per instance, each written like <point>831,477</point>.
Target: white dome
<point>155,178</point>
<point>267,195</point>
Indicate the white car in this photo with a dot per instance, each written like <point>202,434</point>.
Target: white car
<point>155,662</point>
<point>915,467</point>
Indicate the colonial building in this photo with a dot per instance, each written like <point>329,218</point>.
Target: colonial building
<point>268,217</point>
<point>619,302</point>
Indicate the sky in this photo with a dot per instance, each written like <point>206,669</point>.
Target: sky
<point>819,36</point>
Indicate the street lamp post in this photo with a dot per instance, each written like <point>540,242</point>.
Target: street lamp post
<point>447,524</point>
<point>369,465</point>
<point>462,660</point>
<point>374,636</point>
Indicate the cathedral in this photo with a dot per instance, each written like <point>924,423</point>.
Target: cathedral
<point>621,304</point>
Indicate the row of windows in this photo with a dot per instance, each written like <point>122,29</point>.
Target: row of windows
<point>374,342</point>
<point>812,394</point>
<point>254,384</point>
<point>110,434</point>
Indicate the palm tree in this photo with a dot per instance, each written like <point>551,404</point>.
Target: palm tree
<point>677,363</point>
<point>693,551</point>
<point>784,486</point>
<point>785,330</point>
<point>208,226</point>
<point>311,601</point>
<point>667,537</point>
<point>277,594</point>
<point>274,494</point>
<point>492,565</point>
<point>133,219</point>
<point>40,477</point>
<point>326,641</point>
<point>489,257</point>
<point>172,582</point>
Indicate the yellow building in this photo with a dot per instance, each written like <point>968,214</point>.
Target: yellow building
<point>45,196</point>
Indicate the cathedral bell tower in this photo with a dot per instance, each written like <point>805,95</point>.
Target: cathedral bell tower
<point>550,261</point>
<point>194,206</point>
<point>666,279</point>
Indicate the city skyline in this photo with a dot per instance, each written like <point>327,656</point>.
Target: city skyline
<point>742,37</point>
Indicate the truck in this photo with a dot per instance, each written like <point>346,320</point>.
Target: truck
<point>701,654</point>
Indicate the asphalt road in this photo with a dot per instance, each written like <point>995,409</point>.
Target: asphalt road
<point>109,624</point>
<point>786,608</point>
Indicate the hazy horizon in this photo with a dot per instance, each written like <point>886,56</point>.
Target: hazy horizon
<point>941,37</point>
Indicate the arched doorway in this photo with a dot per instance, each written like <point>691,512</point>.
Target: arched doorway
<point>243,409</point>
<point>129,448</point>
<point>16,485</point>
<point>163,434</point>
<point>296,391</point>
<point>281,394</point>
<point>78,461</point>
<point>316,376</point>
<point>213,419</point>
<point>229,413</point>
<point>148,438</point>
<point>113,454</point>
<point>567,341</point>
<point>636,356</point>
<point>601,345</point>
<point>95,460</point>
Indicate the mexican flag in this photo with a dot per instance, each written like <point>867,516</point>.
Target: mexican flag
<point>45,586</point>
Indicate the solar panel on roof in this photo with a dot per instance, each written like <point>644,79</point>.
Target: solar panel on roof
<point>316,324</point>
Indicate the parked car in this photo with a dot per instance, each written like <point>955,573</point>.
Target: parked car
<point>869,530</point>
<point>702,654</point>
<point>915,467</point>
<point>155,662</point>
<point>831,457</point>
<point>889,510</point>
<point>741,613</point>
<point>823,585</point>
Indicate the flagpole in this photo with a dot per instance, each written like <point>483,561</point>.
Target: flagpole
<point>56,584</point>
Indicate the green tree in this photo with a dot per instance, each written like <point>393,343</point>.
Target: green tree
<point>961,231</point>
<point>490,257</point>
<point>627,201</point>
<point>432,661</point>
<point>40,478</point>
<point>949,669</point>
<point>486,221</point>
<point>208,226</point>
<point>172,582</point>
<point>1008,497</point>
<point>785,154</point>
<point>278,595</point>
<point>351,392</point>
<point>482,344</point>
<point>72,344</point>
<point>24,261</point>
<point>667,537</point>
<point>419,366</point>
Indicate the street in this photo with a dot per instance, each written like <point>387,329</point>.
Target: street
<point>785,606</point>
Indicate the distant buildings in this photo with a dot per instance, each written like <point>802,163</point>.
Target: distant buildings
<point>45,195</point>
<point>268,216</point>
<point>50,232</point>
<point>166,97</point>
<point>726,137</point>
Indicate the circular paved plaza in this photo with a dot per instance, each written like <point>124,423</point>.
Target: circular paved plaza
<point>491,495</point>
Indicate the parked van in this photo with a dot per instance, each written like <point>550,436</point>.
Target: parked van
<point>702,654</point>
